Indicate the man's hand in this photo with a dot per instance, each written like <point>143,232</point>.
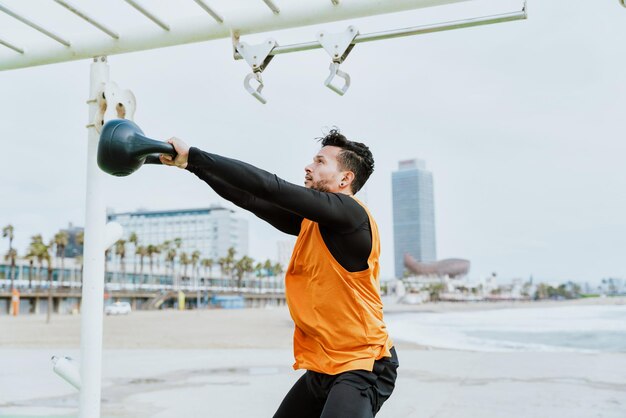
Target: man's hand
<point>182,150</point>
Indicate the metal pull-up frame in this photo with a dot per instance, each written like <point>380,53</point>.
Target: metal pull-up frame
<point>208,24</point>
<point>257,56</point>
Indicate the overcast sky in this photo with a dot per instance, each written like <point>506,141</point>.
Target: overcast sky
<point>522,125</point>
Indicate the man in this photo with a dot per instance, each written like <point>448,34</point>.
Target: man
<point>331,282</point>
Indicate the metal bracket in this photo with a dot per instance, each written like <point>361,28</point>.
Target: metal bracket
<point>258,58</point>
<point>234,38</point>
<point>338,46</point>
<point>113,103</point>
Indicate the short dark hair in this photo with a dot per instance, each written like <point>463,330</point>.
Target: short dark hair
<point>355,157</point>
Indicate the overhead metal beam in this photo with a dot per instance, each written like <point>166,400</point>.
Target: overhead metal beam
<point>11,46</point>
<point>213,13</point>
<point>415,30</point>
<point>148,14</point>
<point>88,18</point>
<point>34,25</point>
<point>196,29</point>
<point>272,6</point>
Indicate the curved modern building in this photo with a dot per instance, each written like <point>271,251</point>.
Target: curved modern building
<point>451,267</point>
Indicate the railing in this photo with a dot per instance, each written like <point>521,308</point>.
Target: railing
<point>213,285</point>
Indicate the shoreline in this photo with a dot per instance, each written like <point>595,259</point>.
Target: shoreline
<point>442,307</point>
<point>220,328</point>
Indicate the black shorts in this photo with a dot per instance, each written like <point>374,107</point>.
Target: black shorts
<point>352,394</point>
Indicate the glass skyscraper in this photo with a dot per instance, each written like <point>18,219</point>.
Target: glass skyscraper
<point>413,214</point>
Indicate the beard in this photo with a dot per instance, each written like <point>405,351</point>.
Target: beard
<point>320,186</point>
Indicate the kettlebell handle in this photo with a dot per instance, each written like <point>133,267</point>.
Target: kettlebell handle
<point>154,158</point>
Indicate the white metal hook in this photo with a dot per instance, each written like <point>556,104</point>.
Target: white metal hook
<point>255,92</point>
<point>335,71</point>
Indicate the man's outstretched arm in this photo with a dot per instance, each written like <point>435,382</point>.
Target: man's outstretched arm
<point>279,218</point>
<point>330,209</point>
<point>334,210</point>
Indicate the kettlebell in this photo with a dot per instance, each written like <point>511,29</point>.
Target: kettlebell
<point>123,148</point>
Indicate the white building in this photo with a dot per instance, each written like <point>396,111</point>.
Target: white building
<point>212,231</point>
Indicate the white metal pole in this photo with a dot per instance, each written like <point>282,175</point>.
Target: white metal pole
<point>93,281</point>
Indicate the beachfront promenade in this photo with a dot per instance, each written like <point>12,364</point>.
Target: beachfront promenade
<point>67,301</point>
<point>66,296</point>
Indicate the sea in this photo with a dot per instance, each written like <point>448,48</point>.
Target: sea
<point>589,328</point>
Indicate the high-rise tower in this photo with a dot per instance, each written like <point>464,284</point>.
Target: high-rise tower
<point>413,214</point>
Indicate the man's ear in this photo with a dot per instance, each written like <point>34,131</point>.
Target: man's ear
<point>348,177</point>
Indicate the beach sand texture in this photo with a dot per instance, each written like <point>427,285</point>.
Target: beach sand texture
<point>237,363</point>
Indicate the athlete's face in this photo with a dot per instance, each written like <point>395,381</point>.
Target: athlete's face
<point>324,173</point>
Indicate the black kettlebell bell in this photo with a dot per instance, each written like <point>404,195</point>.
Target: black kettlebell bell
<point>123,148</point>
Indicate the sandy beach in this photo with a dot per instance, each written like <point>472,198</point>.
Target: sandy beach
<point>237,363</point>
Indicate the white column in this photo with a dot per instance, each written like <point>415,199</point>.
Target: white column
<point>93,280</point>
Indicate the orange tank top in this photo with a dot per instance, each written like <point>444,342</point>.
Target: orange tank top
<point>338,314</point>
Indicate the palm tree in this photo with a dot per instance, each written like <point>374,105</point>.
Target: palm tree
<point>207,263</point>
<point>30,257</point>
<point>223,267</point>
<point>61,239</point>
<point>268,269</point>
<point>230,262</point>
<point>151,250</point>
<point>184,261</point>
<point>133,239</point>
<point>164,249</point>
<point>10,256</point>
<point>178,242</point>
<point>170,257</point>
<point>141,251</point>
<point>258,269</point>
<point>41,252</point>
<point>35,248</point>
<point>45,253</point>
<point>278,269</point>
<point>195,258</point>
<point>243,266</point>
<point>120,251</point>
<point>267,266</point>
<point>7,232</point>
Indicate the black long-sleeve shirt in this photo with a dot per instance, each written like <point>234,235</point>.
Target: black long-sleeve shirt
<point>343,222</point>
